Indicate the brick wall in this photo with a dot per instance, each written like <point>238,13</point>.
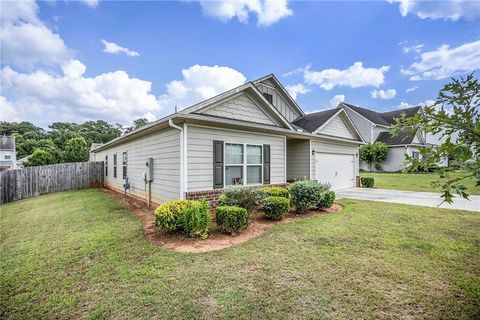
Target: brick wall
<point>212,195</point>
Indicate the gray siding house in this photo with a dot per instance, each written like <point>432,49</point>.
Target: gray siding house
<point>374,126</point>
<point>8,153</point>
<point>252,135</point>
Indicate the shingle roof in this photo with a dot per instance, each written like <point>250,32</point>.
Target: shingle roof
<point>404,137</point>
<point>371,115</point>
<point>391,115</point>
<point>313,121</point>
<point>7,143</point>
<point>384,118</point>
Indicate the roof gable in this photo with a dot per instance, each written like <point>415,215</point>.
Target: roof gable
<point>241,107</point>
<point>336,126</point>
<point>404,137</point>
<point>370,115</point>
<point>255,96</point>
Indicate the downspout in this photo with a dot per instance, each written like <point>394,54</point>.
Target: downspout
<point>182,169</point>
<point>371,132</point>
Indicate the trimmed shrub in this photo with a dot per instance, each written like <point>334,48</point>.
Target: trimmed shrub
<point>246,198</point>
<point>232,219</point>
<point>367,182</point>
<point>306,194</point>
<point>196,219</point>
<point>276,207</point>
<point>275,192</point>
<point>326,201</point>
<point>188,216</point>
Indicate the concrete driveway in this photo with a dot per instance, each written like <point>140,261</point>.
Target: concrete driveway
<point>426,199</point>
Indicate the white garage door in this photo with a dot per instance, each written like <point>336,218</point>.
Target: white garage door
<point>336,169</point>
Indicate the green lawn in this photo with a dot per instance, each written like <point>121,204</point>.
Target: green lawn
<point>413,181</point>
<point>81,255</point>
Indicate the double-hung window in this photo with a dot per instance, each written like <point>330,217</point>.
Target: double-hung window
<point>243,160</point>
<point>106,166</point>
<point>114,165</point>
<point>124,164</point>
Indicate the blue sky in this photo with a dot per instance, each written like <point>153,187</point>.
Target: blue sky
<point>158,55</point>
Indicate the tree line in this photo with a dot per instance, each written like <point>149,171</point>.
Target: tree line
<point>63,141</point>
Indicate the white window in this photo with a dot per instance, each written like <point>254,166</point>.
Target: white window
<point>240,164</point>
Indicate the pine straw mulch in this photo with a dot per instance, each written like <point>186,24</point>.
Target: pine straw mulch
<point>217,239</point>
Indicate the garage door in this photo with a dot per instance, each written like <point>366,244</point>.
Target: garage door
<point>336,169</point>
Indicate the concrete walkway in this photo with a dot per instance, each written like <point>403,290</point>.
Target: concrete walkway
<point>426,199</point>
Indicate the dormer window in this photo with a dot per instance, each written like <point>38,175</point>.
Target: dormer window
<point>269,97</point>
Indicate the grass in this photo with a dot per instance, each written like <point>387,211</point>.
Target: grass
<point>80,255</point>
<point>414,181</point>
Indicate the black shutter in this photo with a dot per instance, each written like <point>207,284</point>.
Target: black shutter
<point>266,164</point>
<point>217,164</point>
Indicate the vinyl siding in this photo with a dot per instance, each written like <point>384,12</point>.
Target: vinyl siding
<point>363,126</point>
<point>298,159</point>
<point>240,108</point>
<point>200,153</point>
<point>337,127</point>
<point>164,148</point>
<point>395,158</point>
<point>339,148</point>
<point>280,103</point>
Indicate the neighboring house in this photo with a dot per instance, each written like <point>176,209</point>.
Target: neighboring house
<point>252,135</point>
<point>8,154</point>
<point>374,126</point>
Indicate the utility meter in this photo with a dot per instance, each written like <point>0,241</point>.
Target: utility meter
<point>149,173</point>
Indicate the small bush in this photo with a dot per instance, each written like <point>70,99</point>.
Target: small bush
<point>188,216</point>
<point>306,194</point>
<point>367,182</point>
<point>196,219</point>
<point>276,207</point>
<point>246,198</point>
<point>326,201</point>
<point>275,192</point>
<point>232,219</point>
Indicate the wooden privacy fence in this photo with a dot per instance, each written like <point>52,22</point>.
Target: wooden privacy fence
<point>34,181</point>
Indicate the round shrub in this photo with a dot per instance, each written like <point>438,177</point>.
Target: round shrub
<point>188,216</point>
<point>276,207</point>
<point>367,182</point>
<point>306,194</point>
<point>232,219</point>
<point>196,219</point>
<point>326,201</point>
<point>275,192</point>
<point>246,198</point>
<point>167,215</point>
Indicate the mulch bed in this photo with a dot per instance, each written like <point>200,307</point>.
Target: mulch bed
<point>217,239</point>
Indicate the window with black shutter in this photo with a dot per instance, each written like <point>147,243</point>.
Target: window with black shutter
<point>124,164</point>
<point>106,166</point>
<point>114,165</point>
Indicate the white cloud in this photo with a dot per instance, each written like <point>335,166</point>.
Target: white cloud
<point>114,48</point>
<point>417,48</point>
<point>91,3</point>
<point>200,83</point>
<point>445,62</point>
<point>405,105</point>
<point>355,76</point>
<point>296,89</point>
<point>25,40</point>
<point>41,97</point>
<point>411,89</point>
<point>338,98</point>
<point>383,94</point>
<point>446,10</point>
<point>296,71</point>
<point>315,110</point>
<point>268,11</point>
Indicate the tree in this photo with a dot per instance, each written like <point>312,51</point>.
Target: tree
<point>455,116</point>
<point>373,153</point>
<point>39,157</point>
<point>76,150</point>
<point>138,123</point>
